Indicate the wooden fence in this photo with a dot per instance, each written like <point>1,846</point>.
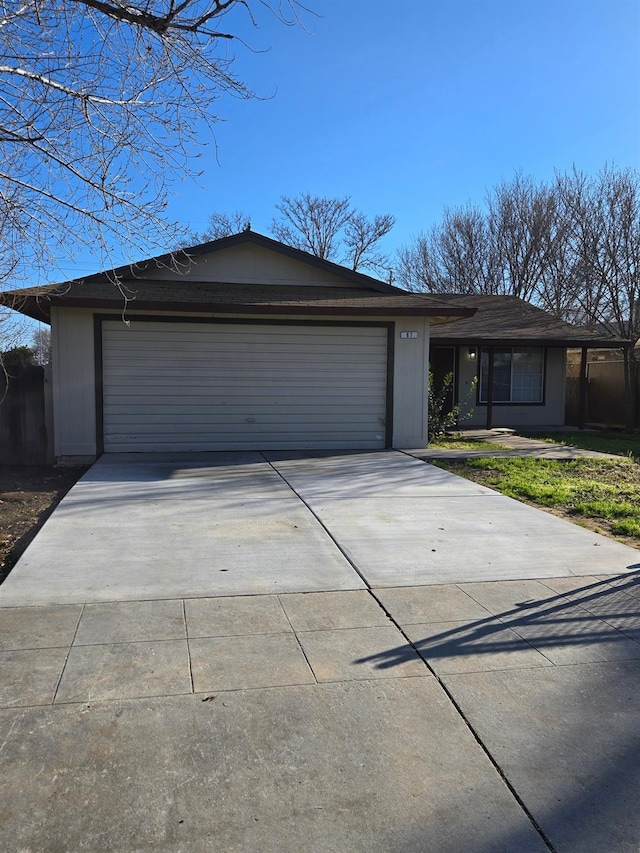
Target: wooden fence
<point>606,399</point>
<point>24,415</point>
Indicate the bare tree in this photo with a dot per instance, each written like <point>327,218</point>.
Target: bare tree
<point>466,253</point>
<point>361,238</point>
<point>101,102</point>
<point>571,247</point>
<point>605,223</point>
<point>455,256</point>
<point>520,214</point>
<point>416,264</point>
<point>312,223</point>
<point>557,246</point>
<point>42,345</point>
<point>223,225</point>
<point>331,229</point>
<point>580,249</point>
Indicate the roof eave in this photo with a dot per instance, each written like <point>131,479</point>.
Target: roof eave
<point>565,343</point>
<point>39,308</point>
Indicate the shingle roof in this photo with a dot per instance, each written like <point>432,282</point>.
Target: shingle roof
<point>184,295</point>
<point>135,287</point>
<point>479,319</point>
<point>509,321</point>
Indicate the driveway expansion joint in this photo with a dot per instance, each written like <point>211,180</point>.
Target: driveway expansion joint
<point>320,522</point>
<point>66,660</point>
<point>472,730</point>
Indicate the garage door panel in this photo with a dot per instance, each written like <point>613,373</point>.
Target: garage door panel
<point>125,422</point>
<point>245,359</point>
<point>249,332</point>
<point>290,376</point>
<point>179,442</point>
<point>237,395</point>
<point>186,386</point>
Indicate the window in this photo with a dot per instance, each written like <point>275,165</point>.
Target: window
<point>518,375</point>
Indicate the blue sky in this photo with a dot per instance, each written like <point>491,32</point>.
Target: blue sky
<point>411,106</point>
<point>417,104</point>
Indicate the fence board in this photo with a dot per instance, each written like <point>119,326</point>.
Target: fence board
<point>605,393</point>
<point>23,431</point>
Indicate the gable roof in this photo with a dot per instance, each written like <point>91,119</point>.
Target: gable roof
<point>183,258</point>
<point>510,321</point>
<point>135,287</point>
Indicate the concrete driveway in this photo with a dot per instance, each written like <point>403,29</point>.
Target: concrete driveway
<point>159,526</point>
<point>260,653</point>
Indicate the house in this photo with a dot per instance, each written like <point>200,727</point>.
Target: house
<point>241,343</point>
<point>517,355</point>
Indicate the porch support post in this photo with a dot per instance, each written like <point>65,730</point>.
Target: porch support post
<point>489,423</point>
<point>584,389</point>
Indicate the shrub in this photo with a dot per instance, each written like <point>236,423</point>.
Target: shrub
<point>441,418</point>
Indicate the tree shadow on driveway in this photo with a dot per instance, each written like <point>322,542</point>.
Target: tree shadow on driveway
<point>564,731</point>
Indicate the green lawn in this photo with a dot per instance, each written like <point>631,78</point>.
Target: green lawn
<point>457,442</point>
<point>618,443</point>
<point>602,494</point>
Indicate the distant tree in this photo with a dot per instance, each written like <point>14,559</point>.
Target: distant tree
<point>604,232</point>
<point>417,263</point>
<point>498,249</point>
<point>571,247</point>
<point>42,345</point>
<point>361,238</point>
<point>223,225</point>
<point>331,229</point>
<point>455,256</point>
<point>312,223</point>
<point>20,356</point>
<point>519,221</point>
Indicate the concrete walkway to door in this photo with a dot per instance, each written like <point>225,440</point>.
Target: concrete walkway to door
<point>157,526</point>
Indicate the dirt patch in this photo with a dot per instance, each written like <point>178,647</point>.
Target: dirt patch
<point>28,495</point>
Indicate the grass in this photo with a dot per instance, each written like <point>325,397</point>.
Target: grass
<point>602,494</point>
<point>617,443</point>
<point>457,442</point>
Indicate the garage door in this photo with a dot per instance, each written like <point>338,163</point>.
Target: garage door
<point>231,386</point>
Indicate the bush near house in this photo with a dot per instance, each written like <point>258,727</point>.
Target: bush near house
<point>443,419</point>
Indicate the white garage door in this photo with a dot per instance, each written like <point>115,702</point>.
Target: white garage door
<point>231,386</point>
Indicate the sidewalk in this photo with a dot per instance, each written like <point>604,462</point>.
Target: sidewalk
<point>404,719</point>
<point>518,446</point>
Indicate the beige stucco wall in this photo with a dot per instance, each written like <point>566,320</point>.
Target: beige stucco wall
<point>73,375</point>
<point>410,381</point>
<point>549,414</point>
<point>250,264</point>
<point>72,336</point>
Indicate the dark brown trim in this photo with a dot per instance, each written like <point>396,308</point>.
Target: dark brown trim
<point>583,412</point>
<point>153,318</point>
<point>526,342</point>
<point>98,385</point>
<point>266,309</point>
<point>456,375</point>
<point>490,371</point>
